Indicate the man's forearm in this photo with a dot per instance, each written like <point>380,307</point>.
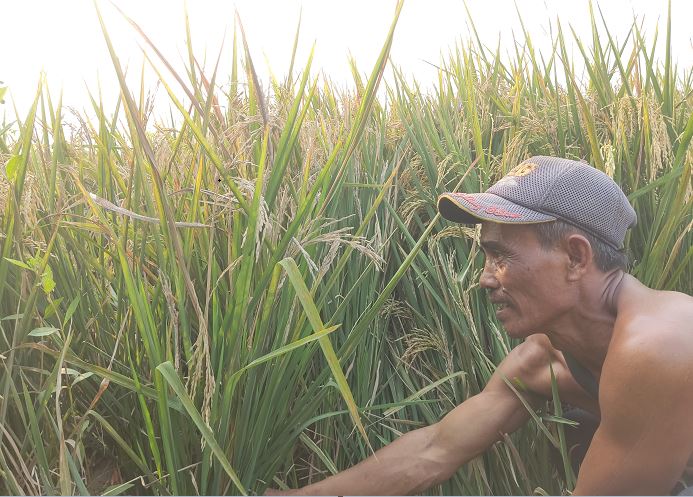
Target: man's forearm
<point>421,458</point>
<point>407,465</point>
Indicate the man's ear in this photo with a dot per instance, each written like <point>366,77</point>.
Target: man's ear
<point>580,255</point>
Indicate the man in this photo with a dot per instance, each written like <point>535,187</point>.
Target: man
<point>552,233</point>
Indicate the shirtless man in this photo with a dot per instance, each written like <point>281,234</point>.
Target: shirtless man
<point>552,232</point>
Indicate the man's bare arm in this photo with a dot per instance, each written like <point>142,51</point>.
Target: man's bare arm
<point>427,456</point>
<point>430,455</point>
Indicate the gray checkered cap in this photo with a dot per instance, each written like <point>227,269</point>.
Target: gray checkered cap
<point>543,189</point>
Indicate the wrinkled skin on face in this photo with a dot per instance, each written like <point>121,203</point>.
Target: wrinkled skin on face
<point>529,284</point>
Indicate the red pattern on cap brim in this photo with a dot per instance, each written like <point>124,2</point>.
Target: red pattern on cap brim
<point>473,208</point>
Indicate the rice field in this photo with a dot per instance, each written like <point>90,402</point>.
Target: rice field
<point>259,291</point>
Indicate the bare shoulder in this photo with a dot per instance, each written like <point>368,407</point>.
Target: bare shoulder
<point>641,306</point>
<point>651,352</point>
<point>651,326</point>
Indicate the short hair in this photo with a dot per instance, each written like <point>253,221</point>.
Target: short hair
<point>606,257</point>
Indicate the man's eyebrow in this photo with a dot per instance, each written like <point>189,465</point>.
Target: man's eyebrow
<point>491,245</point>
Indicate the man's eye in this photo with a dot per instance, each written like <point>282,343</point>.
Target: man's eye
<point>495,257</point>
<point>499,259</point>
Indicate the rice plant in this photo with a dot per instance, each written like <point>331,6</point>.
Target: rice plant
<point>259,292</point>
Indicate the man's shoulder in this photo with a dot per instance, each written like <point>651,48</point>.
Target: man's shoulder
<point>651,348</point>
<point>654,318</point>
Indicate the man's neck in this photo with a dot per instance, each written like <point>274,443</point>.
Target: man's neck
<point>586,330</point>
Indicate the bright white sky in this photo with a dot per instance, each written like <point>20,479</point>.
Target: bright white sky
<point>63,38</point>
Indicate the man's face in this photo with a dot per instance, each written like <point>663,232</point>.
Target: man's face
<point>526,282</point>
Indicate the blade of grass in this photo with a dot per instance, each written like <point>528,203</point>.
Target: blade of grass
<point>311,311</point>
<point>168,372</point>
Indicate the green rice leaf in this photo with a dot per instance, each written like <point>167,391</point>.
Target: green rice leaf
<point>169,373</point>
<point>72,308</point>
<point>286,348</point>
<point>12,167</point>
<point>18,263</point>
<point>118,489</point>
<point>311,311</point>
<point>43,331</point>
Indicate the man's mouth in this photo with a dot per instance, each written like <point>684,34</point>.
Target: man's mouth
<point>500,305</point>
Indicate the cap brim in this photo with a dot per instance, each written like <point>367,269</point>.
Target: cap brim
<point>473,208</point>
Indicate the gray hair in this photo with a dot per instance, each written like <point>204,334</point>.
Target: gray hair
<point>606,257</point>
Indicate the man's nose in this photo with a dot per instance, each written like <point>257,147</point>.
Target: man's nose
<point>488,280</point>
